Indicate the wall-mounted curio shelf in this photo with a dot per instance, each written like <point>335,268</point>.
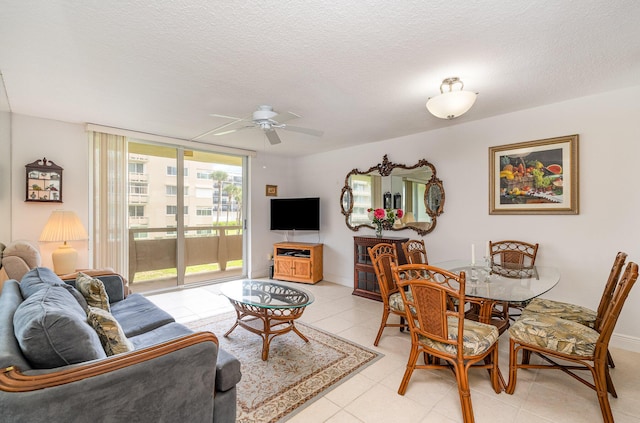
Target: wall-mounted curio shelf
<point>44,182</point>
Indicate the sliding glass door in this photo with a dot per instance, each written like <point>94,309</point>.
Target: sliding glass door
<point>186,221</point>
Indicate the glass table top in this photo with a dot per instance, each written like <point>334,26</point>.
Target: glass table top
<point>504,283</point>
<point>267,294</point>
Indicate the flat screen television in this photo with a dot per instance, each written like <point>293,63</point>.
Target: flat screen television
<point>300,214</point>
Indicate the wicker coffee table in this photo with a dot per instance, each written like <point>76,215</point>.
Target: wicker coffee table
<point>275,305</point>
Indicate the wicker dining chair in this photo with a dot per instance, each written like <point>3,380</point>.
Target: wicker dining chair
<point>511,255</point>
<point>444,337</point>
<point>382,256</point>
<point>415,251</point>
<point>583,315</point>
<point>552,338</point>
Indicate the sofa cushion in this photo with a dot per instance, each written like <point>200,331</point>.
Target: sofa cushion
<point>109,331</point>
<point>113,283</point>
<point>93,291</point>
<point>137,315</point>
<point>159,335</point>
<point>52,330</point>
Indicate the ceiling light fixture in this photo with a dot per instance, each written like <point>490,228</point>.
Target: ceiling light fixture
<point>451,104</point>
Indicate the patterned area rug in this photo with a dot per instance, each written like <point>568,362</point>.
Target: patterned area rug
<point>296,372</point>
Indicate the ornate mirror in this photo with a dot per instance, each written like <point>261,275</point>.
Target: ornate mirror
<point>413,188</point>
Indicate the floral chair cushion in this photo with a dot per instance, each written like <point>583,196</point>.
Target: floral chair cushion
<point>554,333</point>
<point>478,337</point>
<point>396,303</point>
<point>567,311</point>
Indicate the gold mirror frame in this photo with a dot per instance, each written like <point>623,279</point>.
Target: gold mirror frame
<point>434,203</point>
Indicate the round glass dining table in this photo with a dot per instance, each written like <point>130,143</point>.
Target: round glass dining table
<point>500,283</point>
<point>487,285</point>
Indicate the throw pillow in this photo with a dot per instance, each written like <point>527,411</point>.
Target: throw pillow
<point>93,291</point>
<point>109,331</point>
<point>52,330</point>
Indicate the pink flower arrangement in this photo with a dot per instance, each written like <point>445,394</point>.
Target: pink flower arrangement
<point>384,218</point>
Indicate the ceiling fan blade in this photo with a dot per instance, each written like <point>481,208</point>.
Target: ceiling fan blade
<point>285,116</point>
<point>218,130</point>
<point>228,131</point>
<point>307,131</point>
<point>272,136</point>
<point>225,116</point>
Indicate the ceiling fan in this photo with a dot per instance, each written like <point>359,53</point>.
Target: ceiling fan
<point>264,118</point>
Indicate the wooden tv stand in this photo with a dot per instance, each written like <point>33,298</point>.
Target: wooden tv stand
<point>297,262</point>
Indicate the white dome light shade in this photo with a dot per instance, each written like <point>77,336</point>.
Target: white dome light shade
<point>451,104</point>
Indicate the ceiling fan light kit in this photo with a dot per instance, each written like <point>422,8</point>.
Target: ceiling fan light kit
<point>266,119</point>
<point>451,104</point>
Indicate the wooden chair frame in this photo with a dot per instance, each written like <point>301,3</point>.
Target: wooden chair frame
<point>427,314</point>
<point>415,251</point>
<point>382,256</point>
<point>607,294</point>
<point>596,363</point>
<point>511,253</point>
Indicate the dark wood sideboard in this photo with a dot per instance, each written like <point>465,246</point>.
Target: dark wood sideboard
<point>365,283</point>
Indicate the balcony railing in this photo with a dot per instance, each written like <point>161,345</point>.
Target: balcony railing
<point>146,254</point>
<point>138,198</point>
<point>138,177</point>
<point>139,220</point>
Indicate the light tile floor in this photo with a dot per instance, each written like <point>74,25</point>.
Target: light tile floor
<point>371,395</point>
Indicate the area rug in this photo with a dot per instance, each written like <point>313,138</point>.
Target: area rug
<point>296,372</point>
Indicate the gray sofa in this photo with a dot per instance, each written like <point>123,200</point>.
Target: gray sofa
<point>172,374</point>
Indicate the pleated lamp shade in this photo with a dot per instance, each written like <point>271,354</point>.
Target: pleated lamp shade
<point>64,225</point>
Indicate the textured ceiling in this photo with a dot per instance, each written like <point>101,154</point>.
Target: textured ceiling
<point>361,71</point>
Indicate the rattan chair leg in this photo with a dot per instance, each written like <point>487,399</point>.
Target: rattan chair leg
<point>601,386</point>
<point>497,381</point>
<point>411,365</point>
<point>513,367</point>
<point>383,323</point>
<point>610,360</point>
<point>464,392</point>
<point>610,388</point>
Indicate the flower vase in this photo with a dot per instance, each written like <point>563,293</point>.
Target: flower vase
<point>379,231</point>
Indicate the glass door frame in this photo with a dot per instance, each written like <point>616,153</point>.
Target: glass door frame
<point>181,228</point>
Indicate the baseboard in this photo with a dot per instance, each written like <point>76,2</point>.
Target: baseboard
<point>629,343</point>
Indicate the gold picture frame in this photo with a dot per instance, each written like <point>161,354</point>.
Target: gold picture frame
<point>534,177</point>
<point>271,191</point>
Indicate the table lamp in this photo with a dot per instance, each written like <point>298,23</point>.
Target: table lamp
<point>64,226</point>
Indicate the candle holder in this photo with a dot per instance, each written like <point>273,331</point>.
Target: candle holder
<point>473,274</point>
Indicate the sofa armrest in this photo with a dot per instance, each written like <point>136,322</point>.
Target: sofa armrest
<point>172,381</point>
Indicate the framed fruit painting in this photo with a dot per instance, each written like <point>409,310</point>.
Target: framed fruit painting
<point>534,177</point>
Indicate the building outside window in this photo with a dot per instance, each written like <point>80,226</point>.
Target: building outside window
<point>204,211</point>
<point>173,171</point>
<point>203,174</point>
<point>174,209</point>
<point>138,188</point>
<point>136,211</point>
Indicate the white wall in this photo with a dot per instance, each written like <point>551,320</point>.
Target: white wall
<point>265,169</point>
<point>67,146</point>
<point>5,173</point>
<point>583,246</point>
<point>5,165</point>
